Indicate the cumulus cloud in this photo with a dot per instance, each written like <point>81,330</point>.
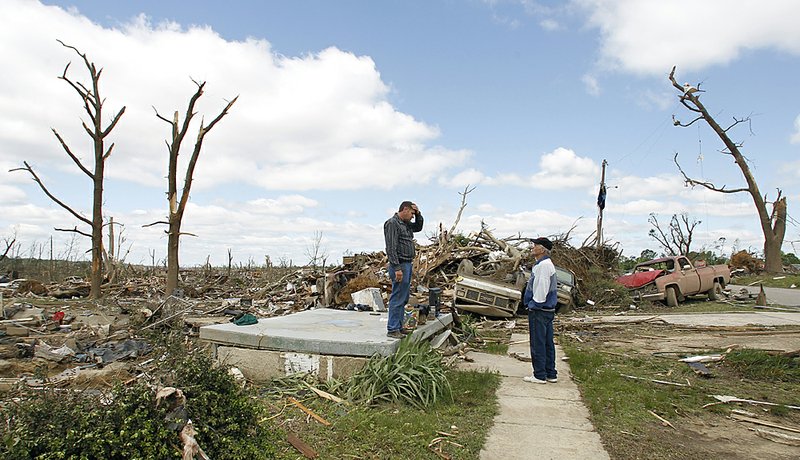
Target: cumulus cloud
<point>562,168</point>
<point>644,37</point>
<point>319,121</point>
<point>559,169</point>
<point>534,223</point>
<point>464,178</point>
<point>663,185</point>
<point>795,139</point>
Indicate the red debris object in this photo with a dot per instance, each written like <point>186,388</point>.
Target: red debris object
<point>635,280</point>
<point>58,316</point>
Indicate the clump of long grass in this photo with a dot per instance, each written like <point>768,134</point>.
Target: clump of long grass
<point>413,375</point>
<point>762,365</point>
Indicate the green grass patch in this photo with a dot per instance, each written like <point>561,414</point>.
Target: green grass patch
<point>496,348</point>
<point>763,366</point>
<point>692,305</point>
<point>396,430</point>
<point>768,280</point>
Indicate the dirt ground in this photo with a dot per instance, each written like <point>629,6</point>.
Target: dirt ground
<point>713,434</point>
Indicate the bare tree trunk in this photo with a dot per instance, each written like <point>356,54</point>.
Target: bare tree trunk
<point>773,225</point>
<point>172,253</point>
<point>93,105</point>
<point>177,205</point>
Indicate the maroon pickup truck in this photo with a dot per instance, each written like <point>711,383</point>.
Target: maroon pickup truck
<point>674,278</point>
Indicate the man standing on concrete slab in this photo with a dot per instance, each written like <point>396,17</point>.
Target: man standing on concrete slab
<point>398,232</point>
<point>540,299</point>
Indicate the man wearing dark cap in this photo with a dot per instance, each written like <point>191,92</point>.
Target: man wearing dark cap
<point>540,298</point>
<point>398,232</point>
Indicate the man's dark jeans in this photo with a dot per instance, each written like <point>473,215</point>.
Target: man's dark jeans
<point>543,350</point>
<point>399,297</point>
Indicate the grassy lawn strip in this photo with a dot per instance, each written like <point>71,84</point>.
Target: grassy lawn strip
<point>620,406</point>
<point>392,430</point>
<point>768,280</point>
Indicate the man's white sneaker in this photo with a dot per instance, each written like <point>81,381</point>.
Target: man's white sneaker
<point>532,379</point>
<point>553,380</point>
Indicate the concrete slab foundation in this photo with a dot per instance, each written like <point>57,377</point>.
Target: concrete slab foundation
<point>325,342</point>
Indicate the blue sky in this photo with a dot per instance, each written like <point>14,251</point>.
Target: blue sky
<point>347,108</point>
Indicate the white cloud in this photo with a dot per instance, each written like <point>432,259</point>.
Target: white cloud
<point>467,177</point>
<point>320,121</point>
<point>649,37</point>
<point>530,223</point>
<point>659,100</point>
<point>795,139</point>
<point>663,185</point>
<point>562,168</point>
<point>11,195</point>
<point>549,24</point>
<point>591,84</point>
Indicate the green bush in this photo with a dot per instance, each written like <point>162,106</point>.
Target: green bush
<point>226,417</point>
<point>126,424</point>
<point>65,425</point>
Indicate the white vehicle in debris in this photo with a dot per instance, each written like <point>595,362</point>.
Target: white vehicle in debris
<point>487,297</point>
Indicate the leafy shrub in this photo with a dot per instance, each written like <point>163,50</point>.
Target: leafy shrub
<point>126,424</point>
<point>49,425</point>
<point>413,375</point>
<point>225,416</point>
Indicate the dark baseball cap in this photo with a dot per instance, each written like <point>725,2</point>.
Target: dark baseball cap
<point>543,242</point>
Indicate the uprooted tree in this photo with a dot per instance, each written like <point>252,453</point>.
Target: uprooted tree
<point>177,205</point>
<point>93,104</point>
<point>773,223</point>
<point>676,239</point>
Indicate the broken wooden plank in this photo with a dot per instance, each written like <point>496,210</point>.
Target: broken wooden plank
<point>325,394</point>
<point>702,359</point>
<point>301,446</point>
<point>780,438</point>
<point>309,412</point>
<point>726,399</point>
<point>663,382</point>
<point>664,421</point>
<point>756,421</point>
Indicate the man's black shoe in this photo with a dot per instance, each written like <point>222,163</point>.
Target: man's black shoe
<point>395,335</point>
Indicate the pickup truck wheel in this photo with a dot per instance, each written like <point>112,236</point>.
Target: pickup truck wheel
<point>672,297</point>
<point>715,291</point>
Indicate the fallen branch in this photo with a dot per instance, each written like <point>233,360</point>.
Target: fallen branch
<point>663,382</point>
<point>168,318</point>
<point>664,421</point>
<point>777,437</point>
<point>756,421</point>
<point>300,445</point>
<point>325,394</point>
<point>309,412</point>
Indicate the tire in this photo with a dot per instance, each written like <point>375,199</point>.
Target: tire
<point>672,297</point>
<point>715,291</point>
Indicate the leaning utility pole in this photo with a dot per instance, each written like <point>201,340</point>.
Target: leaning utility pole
<point>601,204</point>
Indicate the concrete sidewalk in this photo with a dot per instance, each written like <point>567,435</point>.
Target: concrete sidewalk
<point>536,421</point>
